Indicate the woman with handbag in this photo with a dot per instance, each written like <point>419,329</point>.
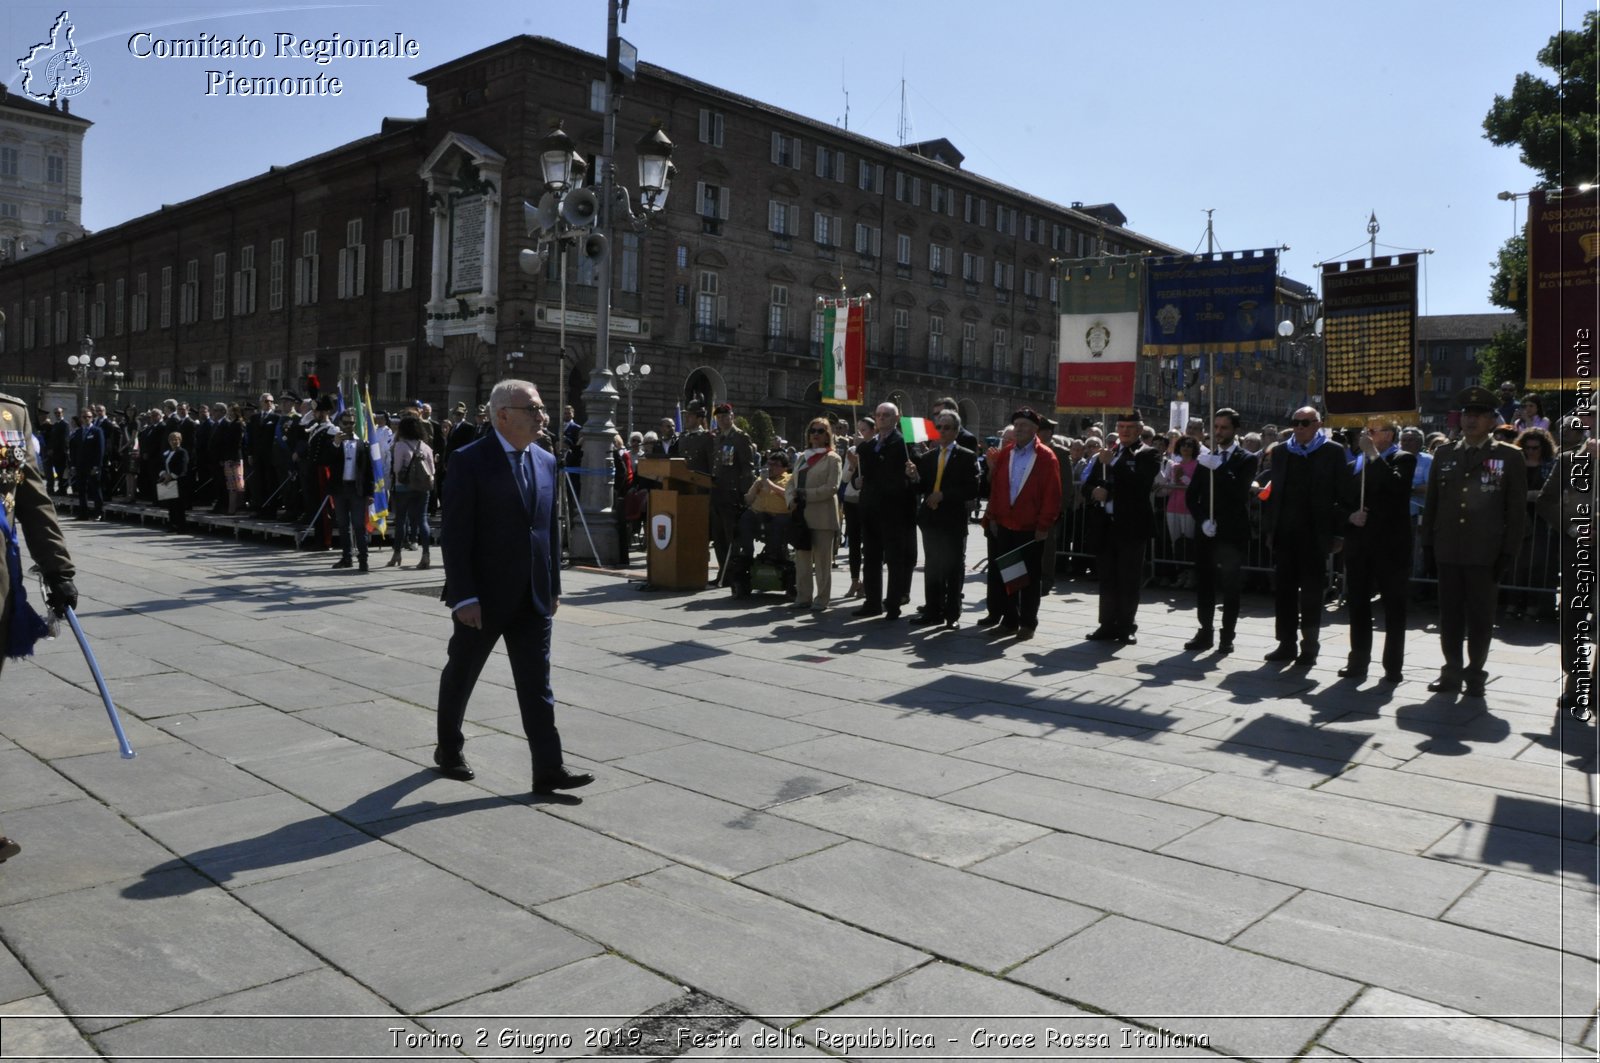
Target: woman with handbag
<point>175,481</point>
<point>413,479</point>
<point>813,496</point>
<point>228,439</point>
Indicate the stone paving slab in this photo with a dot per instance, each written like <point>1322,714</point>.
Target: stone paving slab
<point>1137,776</point>
<point>74,845</point>
<point>358,784</point>
<point>248,733</point>
<point>365,918</point>
<point>599,736</point>
<point>888,765</point>
<point>385,725</point>
<point>28,782</point>
<point>693,829</point>
<point>918,730</point>
<point>745,729</point>
<point>188,777</point>
<point>73,728</point>
<point>1314,811</point>
<point>1383,1025</point>
<point>273,1018</point>
<point>1230,758</point>
<point>151,947</point>
<point>907,823</point>
<point>747,779</point>
<point>1082,809</point>
<point>15,981</point>
<point>1346,869</point>
<point>1244,1003</point>
<point>36,1029</point>
<point>957,915</point>
<point>761,954</point>
<point>1148,886</point>
<point>1540,913</point>
<point>1520,852</point>
<point>253,839</point>
<point>1446,964</point>
<point>593,996</point>
<point>1467,801</point>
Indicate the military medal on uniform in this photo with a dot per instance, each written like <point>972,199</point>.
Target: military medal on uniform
<point>1493,470</point>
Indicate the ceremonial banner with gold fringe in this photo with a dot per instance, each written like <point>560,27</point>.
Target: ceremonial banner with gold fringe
<point>1563,288</point>
<point>1369,330</point>
<point>1099,333</point>
<point>1223,303</point>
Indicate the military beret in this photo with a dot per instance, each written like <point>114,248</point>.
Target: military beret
<point>723,407</point>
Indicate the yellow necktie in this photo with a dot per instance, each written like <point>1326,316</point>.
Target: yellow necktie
<point>938,477</point>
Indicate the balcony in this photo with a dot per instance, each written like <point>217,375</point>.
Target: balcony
<point>797,345</point>
<point>781,242</point>
<point>827,252</point>
<point>969,286</point>
<point>1002,297</point>
<point>712,335</point>
<point>938,280</point>
<point>902,270</point>
<point>866,261</point>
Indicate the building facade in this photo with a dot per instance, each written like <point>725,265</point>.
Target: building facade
<point>393,259</point>
<point>1447,360</point>
<point>41,175</point>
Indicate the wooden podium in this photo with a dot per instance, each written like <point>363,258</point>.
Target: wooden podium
<point>678,529</point>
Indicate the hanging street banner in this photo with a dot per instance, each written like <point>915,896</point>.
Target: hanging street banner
<point>1223,303</point>
<point>1099,340</point>
<point>1563,288</point>
<point>1369,333</point>
<point>844,351</point>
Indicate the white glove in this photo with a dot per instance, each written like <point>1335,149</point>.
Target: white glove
<point>1211,461</point>
<point>1209,527</point>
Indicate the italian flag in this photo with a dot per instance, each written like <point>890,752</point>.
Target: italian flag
<point>918,429</point>
<point>1013,568</point>
<point>844,355</point>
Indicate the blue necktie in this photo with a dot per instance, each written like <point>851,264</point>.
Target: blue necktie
<point>524,479</point>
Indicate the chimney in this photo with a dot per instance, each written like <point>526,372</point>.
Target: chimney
<point>66,106</point>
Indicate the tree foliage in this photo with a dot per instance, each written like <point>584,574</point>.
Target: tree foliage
<point>1556,127</point>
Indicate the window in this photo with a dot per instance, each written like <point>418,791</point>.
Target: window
<point>1055,290</point>
<point>629,281</point>
<point>219,285</point>
<point>394,372</point>
<point>141,302</point>
<point>219,377</point>
<point>119,304</point>
<point>825,229</point>
<point>9,210</point>
<point>1031,228</point>
<point>908,189</point>
<point>1027,359</point>
<point>869,176</point>
<point>786,151</point>
<point>902,332</point>
<point>1032,283</point>
<point>8,162</point>
<point>349,366</point>
<point>63,323</point>
<point>1059,237</point>
<point>28,325</point>
<point>597,96</point>
<point>166,296</point>
<point>189,293</point>
<point>902,250</point>
<point>1001,353</point>
<point>971,267</point>
<point>397,252</point>
<point>272,376</point>
<point>353,262</point>
<point>712,201</point>
<point>783,219</point>
<point>55,169</point>
<point>935,338</point>
<point>275,274</point>
<point>969,344</point>
<point>244,281</point>
<point>867,240</point>
<point>711,127</point>
<point>830,163</point>
<point>97,312</point>
<point>1442,384</point>
<point>710,308</point>
<point>941,199</point>
<point>54,215</point>
<point>242,374</point>
<point>305,270</point>
<point>1005,219</point>
<point>975,210</point>
<point>778,313</point>
<point>1004,273</point>
<point>938,259</point>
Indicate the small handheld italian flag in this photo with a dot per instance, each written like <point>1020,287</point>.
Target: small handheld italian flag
<point>844,350</point>
<point>1013,568</point>
<point>917,429</point>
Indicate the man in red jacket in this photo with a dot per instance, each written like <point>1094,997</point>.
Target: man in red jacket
<point>1024,502</point>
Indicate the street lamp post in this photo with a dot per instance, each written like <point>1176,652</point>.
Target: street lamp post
<point>631,372</point>
<point>1306,340</point>
<point>83,363</point>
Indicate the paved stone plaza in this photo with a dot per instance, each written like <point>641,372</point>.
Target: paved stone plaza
<point>929,844</point>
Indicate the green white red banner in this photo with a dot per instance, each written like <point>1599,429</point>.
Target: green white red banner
<point>1099,334</point>
<point>844,351</point>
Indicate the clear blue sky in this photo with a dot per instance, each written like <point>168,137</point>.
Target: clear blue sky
<point>1292,120</point>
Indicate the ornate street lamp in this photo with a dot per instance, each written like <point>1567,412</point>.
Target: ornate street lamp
<point>83,363</point>
<point>631,372</point>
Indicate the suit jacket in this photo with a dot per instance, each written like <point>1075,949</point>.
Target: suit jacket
<point>1038,501</point>
<point>821,491</point>
<point>1321,493</point>
<point>1129,480</point>
<point>1232,512</point>
<point>884,487</point>
<point>363,468</point>
<point>88,447</point>
<point>1388,505</point>
<point>959,487</point>
<point>56,434</point>
<point>30,510</point>
<point>494,549</point>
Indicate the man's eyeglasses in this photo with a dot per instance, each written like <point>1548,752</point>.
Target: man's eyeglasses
<point>535,408</point>
<point>1303,422</point>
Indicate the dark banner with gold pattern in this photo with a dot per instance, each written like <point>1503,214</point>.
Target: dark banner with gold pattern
<point>1369,328</point>
<point>1563,288</point>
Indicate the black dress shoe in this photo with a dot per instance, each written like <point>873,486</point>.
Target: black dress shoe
<point>952,624</point>
<point>1025,632</point>
<point>1201,641</point>
<point>342,563</point>
<point>566,780</point>
<point>1353,670</point>
<point>458,768</point>
<point>1473,688</point>
<point>1104,633</point>
<point>1128,638</point>
<point>1284,652</point>
<point>1445,686</point>
<point>361,567</point>
<point>989,621</point>
<point>1225,645</point>
<point>924,619</point>
<point>1393,678</point>
<point>867,610</point>
<point>891,616</point>
<point>1007,627</point>
<point>1306,657</point>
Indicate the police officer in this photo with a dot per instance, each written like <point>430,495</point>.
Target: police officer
<point>732,474</point>
<point>1472,521</point>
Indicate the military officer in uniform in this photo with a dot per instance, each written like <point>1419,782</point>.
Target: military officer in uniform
<point>1472,521</point>
<point>733,472</point>
<point>695,446</point>
<point>25,504</point>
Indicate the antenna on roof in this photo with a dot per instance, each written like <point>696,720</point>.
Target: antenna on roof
<point>903,130</point>
<point>846,90</point>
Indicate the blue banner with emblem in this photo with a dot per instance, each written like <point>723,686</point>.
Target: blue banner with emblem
<point>1222,303</point>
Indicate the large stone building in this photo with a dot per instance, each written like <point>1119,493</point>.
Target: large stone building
<point>41,175</point>
<point>1447,360</point>
<point>394,259</point>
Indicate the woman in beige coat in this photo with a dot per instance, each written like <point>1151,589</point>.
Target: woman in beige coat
<point>815,483</point>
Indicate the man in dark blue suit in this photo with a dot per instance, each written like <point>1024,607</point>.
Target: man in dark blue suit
<point>502,564</point>
<point>87,446</point>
